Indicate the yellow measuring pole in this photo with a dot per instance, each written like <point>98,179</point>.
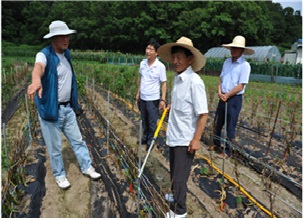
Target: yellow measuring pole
<point>160,123</point>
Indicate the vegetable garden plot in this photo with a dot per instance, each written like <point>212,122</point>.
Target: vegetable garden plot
<point>251,151</point>
<point>252,147</point>
<point>127,110</point>
<point>250,138</point>
<point>286,171</point>
<point>113,186</point>
<point>152,203</point>
<point>249,210</point>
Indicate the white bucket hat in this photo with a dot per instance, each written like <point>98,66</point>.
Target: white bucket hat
<point>239,41</point>
<point>199,60</point>
<point>58,28</point>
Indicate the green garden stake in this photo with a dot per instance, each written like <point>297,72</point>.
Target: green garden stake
<point>203,170</point>
<point>239,200</point>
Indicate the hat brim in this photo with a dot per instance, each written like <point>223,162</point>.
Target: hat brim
<point>247,51</point>
<point>59,33</point>
<point>164,52</point>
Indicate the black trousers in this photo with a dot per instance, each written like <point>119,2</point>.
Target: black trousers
<point>180,165</point>
<point>149,116</point>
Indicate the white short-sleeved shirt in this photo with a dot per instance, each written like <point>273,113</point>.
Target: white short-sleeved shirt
<point>188,101</point>
<point>151,77</point>
<point>64,75</point>
<point>234,73</point>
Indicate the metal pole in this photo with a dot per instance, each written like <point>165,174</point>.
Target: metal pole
<point>108,106</point>
<point>225,140</point>
<point>139,165</point>
<point>93,90</point>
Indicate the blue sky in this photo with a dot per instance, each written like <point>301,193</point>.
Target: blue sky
<point>295,4</point>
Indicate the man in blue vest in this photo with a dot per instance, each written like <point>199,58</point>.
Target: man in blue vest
<point>54,90</point>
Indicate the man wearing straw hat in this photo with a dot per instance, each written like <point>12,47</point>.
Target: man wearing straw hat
<point>187,117</point>
<point>234,76</point>
<point>54,90</point>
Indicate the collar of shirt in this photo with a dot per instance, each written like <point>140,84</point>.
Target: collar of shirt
<point>154,64</point>
<point>182,76</point>
<point>240,60</point>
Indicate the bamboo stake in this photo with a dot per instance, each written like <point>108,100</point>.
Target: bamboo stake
<point>28,116</point>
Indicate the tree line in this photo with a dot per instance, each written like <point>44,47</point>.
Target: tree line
<point>126,26</point>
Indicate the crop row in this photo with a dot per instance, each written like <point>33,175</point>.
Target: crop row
<point>259,99</point>
<point>213,65</point>
<point>266,107</point>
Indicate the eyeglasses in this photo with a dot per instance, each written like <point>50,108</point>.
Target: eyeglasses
<point>150,48</point>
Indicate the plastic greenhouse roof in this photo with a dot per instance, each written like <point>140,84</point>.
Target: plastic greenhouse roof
<point>261,53</point>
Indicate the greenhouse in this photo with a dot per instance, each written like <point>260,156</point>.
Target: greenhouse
<point>262,53</point>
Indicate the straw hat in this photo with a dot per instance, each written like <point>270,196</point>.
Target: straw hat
<point>58,28</point>
<point>239,41</point>
<point>165,53</point>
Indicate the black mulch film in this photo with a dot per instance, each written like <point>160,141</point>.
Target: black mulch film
<point>36,189</point>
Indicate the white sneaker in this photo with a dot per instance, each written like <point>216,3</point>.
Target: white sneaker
<point>169,197</point>
<point>92,173</point>
<point>171,214</point>
<point>63,183</point>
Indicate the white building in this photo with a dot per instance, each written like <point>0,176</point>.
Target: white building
<point>294,56</point>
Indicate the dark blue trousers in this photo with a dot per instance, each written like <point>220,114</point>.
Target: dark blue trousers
<point>149,116</point>
<point>234,105</point>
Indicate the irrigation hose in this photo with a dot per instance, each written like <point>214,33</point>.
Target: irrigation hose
<point>154,138</point>
<point>238,186</point>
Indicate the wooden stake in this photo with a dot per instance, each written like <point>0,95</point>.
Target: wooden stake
<point>272,133</point>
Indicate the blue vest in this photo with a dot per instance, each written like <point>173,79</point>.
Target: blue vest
<point>47,106</point>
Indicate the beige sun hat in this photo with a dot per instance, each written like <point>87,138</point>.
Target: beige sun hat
<point>239,41</point>
<point>199,60</point>
<point>58,28</point>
